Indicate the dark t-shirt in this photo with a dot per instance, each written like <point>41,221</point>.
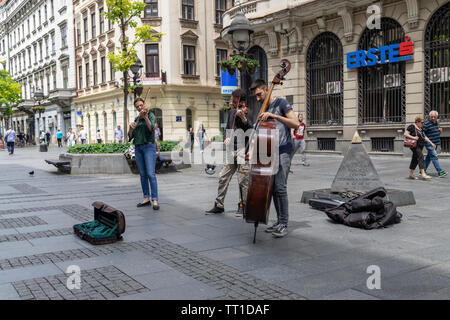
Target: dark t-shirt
<point>415,132</point>
<point>281,107</point>
<point>141,134</point>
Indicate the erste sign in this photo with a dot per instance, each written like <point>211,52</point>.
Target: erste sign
<point>395,52</point>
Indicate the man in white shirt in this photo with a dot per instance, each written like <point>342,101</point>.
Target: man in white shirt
<point>83,135</point>
<point>10,138</point>
<point>118,135</point>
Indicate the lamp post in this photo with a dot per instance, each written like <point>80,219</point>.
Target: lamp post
<point>239,32</point>
<point>136,69</point>
<point>38,96</point>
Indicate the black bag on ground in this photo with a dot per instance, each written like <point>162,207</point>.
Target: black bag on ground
<point>107,227</point>
<point>368,211</point>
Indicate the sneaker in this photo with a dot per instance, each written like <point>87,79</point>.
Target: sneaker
<point>281,231</point>
<point>272,228</point>
<point>443,174</point>
<point>215,210</point>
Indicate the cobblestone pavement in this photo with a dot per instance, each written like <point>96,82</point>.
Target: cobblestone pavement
<point>179,253</point>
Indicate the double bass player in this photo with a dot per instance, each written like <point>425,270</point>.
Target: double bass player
<point>281,111</point>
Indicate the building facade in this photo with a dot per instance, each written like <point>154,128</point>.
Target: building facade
<point>354,72</point>
<point>180,74</point>
<point>37,45</point>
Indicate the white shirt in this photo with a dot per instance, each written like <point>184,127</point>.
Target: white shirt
<point>83,134</point>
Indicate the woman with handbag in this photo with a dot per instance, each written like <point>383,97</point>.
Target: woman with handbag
<point>415,140</point>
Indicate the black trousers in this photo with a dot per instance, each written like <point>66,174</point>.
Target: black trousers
<point>417,158</point>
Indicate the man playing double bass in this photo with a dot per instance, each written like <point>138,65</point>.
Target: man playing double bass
<point>237,119</point>
<point>281,111</point>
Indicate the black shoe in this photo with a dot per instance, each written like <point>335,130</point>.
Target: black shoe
<point>240,211</point>
<point>281,231</point>
<point>145,204</point>
<point>272,228</point>
<point>156,207</point>
<point>215,210</point>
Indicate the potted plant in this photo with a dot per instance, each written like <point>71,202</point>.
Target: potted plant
<point>228,65</point>
<point>38,109</point>
<point>252,64</point>
<point>241,62</point>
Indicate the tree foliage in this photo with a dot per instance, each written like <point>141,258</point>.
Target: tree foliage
<point>10,93</point>
<point>124,13</point>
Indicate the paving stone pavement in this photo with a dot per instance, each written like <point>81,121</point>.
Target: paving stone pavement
<point>179,253</point>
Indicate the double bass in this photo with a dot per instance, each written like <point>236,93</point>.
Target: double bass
<point>261,178</point>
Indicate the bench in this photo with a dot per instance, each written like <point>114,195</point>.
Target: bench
<point>63,166</point>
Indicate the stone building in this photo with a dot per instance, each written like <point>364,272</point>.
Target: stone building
<point>180,72</point>
<point>340,78</point>
<point>37,45</point>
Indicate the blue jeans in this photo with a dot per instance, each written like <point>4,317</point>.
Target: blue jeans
<point>83,141</point>
<point>202,144</point>
<point>160,162</point>
<point>146,159</point>
<point>10,147</point>
<point>432,156</point>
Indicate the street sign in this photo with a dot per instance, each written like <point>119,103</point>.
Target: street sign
<point>229,83</point>
<point>155,81</point>
<point>79,113</point>
<point>179,119</point>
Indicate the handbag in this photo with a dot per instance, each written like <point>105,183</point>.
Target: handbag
<point>410,143</point>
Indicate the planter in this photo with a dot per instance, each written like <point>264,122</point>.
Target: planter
<point>242,66</point>
<point>231,71</point>
<point>138,91</point>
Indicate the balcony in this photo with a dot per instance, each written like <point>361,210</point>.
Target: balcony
<point>62,97</point>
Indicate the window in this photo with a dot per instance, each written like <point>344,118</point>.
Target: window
<point>324,76</point>
<point>48,82</point>
<point>188,119</point>
<point>220,55</point>
<point>87,75</point>
<point>86,30</point>
<point>152,60</point>
<point>28,26</point>
<point>221,7</point>
<point>94,67</point>
<point>113,74</point>
<point>80,77</point>
<point>189,60</point>
<point>64,36</point>
<point>39,17</point>
<point>65,70</point>
<point>34,22</point>
<point>187,8</point>
<point>94,25</point>
<point>54,79</point>
<point>40,51</point>
<point>103,62</point>
<point>29,57</point>
<point>114,120</point>
<point>102,21</point>
<point>79,33</point>
<point>52,8</point>
<point>35,53</point>
<point>151,9</point>
<point>110,25</point>
<point>45,12</point>
<point>53,43</point>
<point>46,47</point>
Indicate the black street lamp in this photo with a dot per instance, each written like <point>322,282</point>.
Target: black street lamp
<point>239,33</point>
<point>136,69</point>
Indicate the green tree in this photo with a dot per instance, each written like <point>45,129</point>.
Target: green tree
<point>124,14</point>
<point>10,94</point>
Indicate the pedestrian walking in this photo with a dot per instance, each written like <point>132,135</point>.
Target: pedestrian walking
<point>298,136</point>
<point>47,137</point>
<point>157,132</point>
<point>118,135</point>
<point>142,133</point>
<point>71,138</point>
<point>42,137</point>
<point>191,137</point>
<point>415,132</point>
<point>433,132</point>
<point>10,139</point>
<point>59,136</point>
<point>83,135</point>
<point>201,135</point>
<point>99,136</point>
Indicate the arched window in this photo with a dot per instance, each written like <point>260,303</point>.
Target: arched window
<point>437,63</point>
<point>114,120</point>
<point>159,120</point>
<point>259,54</point>
<point>324,79</point>
<point>382,86</point>
<point>189,119</point>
